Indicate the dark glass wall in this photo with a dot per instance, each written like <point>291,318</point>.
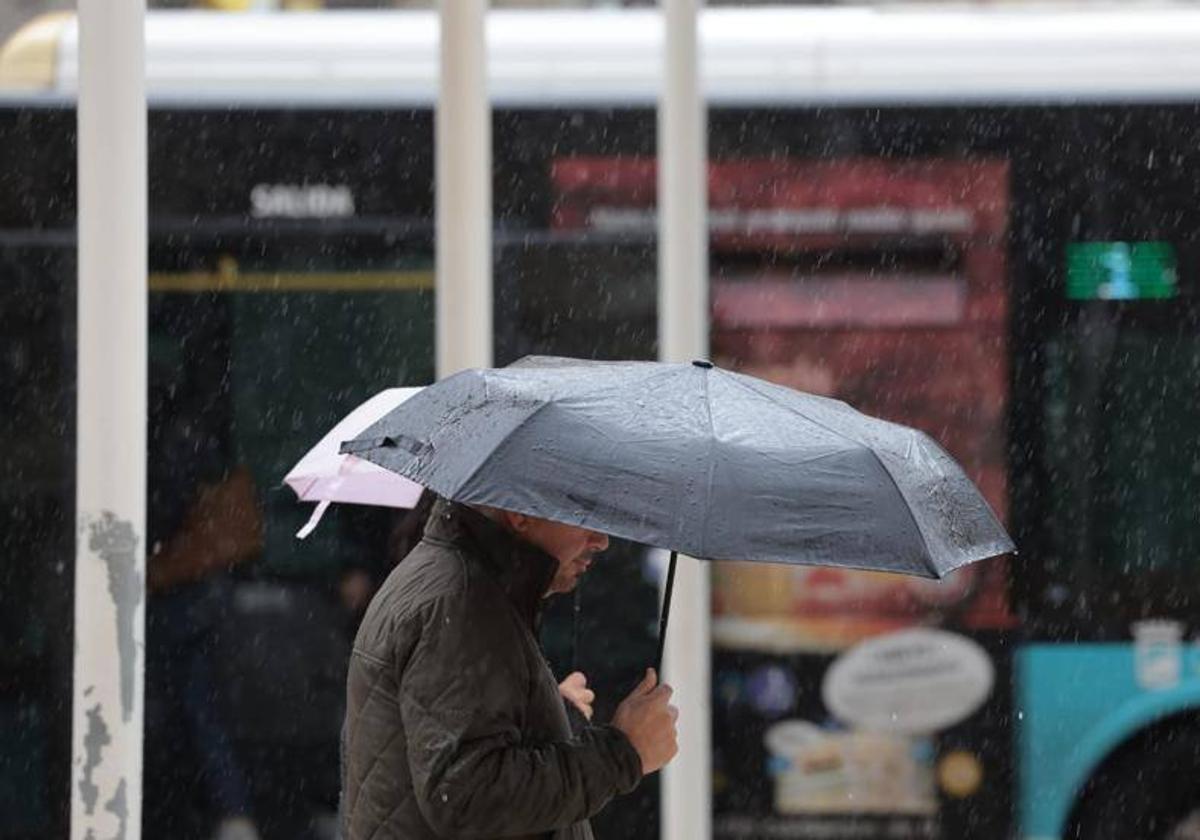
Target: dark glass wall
<point>291,257</point>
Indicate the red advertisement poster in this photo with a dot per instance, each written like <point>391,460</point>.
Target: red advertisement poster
<point>882,283</point>
<point>851,704</point>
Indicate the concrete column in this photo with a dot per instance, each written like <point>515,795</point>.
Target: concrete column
<point>110,494</point>
<point>463,139</point>
<point>683,336</point>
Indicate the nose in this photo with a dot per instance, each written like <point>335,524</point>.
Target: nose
<point>600,541</point>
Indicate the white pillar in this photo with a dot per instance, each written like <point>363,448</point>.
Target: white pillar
<point>683,336</point>
<point>110,489</point>
<point>463,140</point>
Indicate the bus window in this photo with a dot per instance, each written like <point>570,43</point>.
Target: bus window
<point>37,503</point>
<point>250,361</point>
<point>290,278</point>
<point>1120,414</point>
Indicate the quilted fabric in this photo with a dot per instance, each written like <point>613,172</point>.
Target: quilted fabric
<point>454,724</point>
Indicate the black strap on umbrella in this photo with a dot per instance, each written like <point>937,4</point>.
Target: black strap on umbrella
<point>666,613</point>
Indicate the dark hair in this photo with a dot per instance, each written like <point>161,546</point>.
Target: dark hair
<point>410,528</point>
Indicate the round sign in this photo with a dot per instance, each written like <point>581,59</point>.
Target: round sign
<point>915,681</point>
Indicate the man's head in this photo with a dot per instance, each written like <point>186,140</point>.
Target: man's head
<point>573,547</point>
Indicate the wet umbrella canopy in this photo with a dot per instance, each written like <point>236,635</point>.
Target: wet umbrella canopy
<point>691,458</point>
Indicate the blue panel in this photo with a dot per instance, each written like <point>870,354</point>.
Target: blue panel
<point>1075,703</point>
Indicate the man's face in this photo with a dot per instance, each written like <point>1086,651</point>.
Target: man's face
<point>573,547</point>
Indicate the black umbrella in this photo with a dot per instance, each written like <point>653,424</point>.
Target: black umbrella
<point>694,459</point>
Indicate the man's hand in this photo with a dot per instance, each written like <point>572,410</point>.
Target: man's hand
<point>648,721</point>
<point>574,689</point>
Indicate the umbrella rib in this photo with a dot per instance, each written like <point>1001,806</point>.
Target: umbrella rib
<point>507,435</point>
<point>878,460</point>
<point>738,381</point>
<point>907,509</point>
<point>712,461</point>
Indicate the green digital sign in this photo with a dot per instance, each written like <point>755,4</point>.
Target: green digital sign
<point>1120,271</point>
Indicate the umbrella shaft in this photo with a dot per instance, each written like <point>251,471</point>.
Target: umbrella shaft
<point>666,613</point>
<point>575,608</point>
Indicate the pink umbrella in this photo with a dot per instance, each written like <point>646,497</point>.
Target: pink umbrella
<point>324,475</point>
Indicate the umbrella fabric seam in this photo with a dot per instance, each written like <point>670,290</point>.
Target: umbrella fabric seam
<point>309,487</point>
<point>651,372</point>
<point>1012,546</point>
<point>907,509</point>
<point>771,397</point>
<point>861,567</point>
<point>878,460</point>
<point>500,444</point>
<point>654,374</point>
<point>712,461</point>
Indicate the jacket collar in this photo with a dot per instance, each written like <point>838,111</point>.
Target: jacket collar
<point>523,570</point>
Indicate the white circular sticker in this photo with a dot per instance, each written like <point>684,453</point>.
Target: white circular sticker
<point>915,681</point>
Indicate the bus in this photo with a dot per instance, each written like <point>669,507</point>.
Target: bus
<point>979,221</point>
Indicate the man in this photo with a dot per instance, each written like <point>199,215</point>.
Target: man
<point>455,726</point>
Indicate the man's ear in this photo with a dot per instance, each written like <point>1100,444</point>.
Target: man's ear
<point>517,522</point>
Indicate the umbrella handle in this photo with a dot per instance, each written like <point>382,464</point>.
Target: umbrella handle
<point>664,615</point>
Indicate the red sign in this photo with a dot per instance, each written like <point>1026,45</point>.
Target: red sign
<point>880,282</point>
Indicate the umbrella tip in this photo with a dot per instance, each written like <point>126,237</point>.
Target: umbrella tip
<point>702,363</point>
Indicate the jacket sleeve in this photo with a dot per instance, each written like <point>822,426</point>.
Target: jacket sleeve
<point>463,694</point>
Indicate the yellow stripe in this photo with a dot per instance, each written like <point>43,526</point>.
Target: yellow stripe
<point>349,281</point>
